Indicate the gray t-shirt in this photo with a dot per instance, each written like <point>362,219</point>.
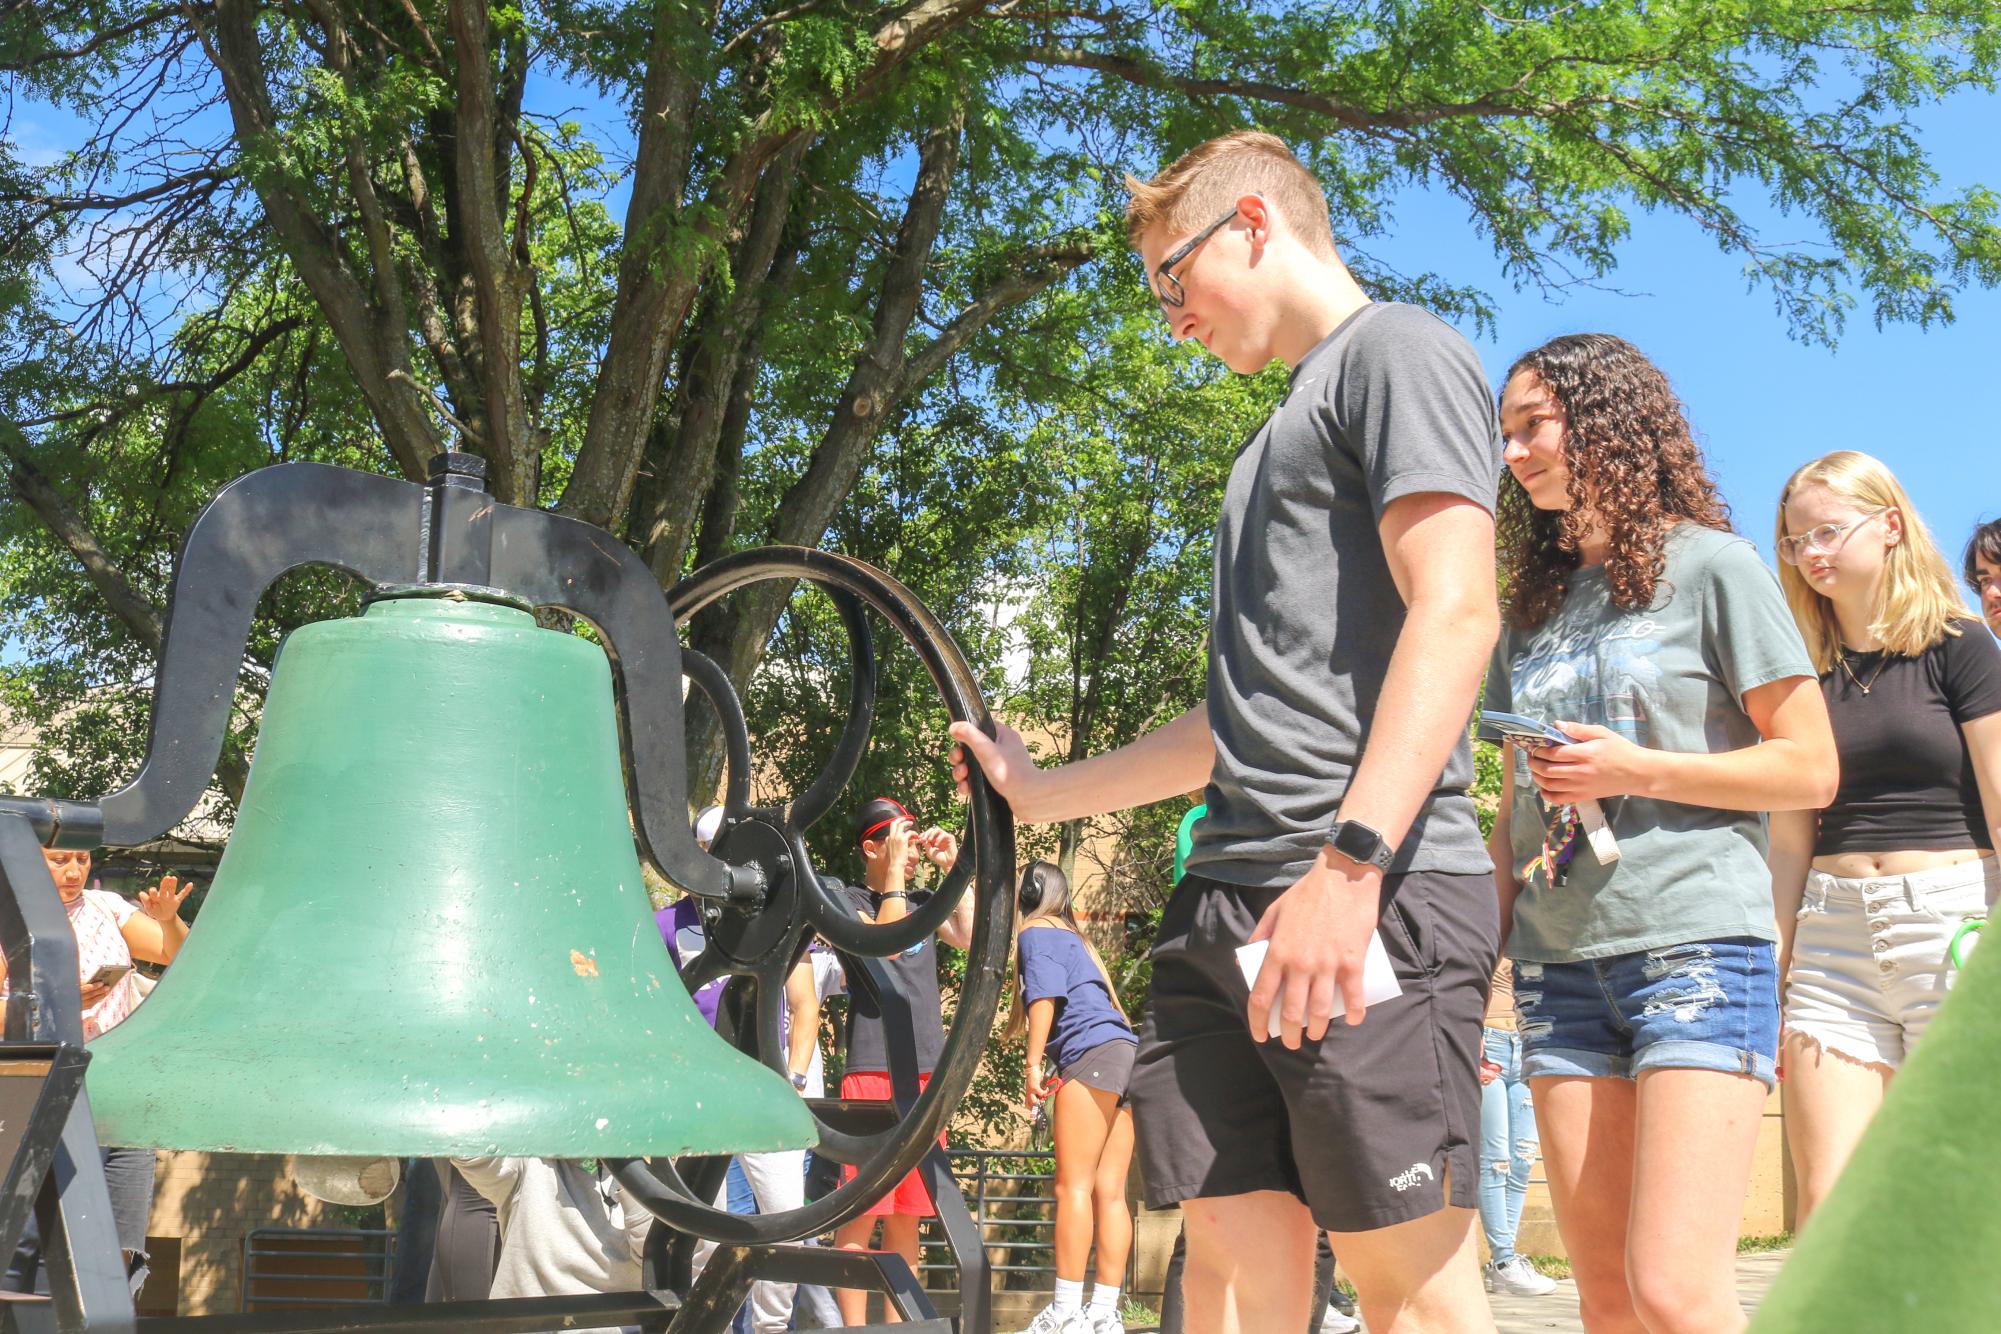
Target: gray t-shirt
<point>1670,677</point>
<point>1306,614</point>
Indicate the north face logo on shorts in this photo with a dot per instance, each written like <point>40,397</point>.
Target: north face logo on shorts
<point>1410,1176</point>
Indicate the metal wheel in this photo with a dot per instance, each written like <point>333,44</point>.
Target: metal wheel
<point>758,946</point>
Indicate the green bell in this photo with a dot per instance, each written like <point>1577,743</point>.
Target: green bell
<point>428,935</point>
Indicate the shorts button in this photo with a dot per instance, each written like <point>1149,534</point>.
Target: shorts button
<point>1879,945</point>
<point>1887,966</point>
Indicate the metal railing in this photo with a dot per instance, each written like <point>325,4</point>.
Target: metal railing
<point>1011,1193</point>
<point>288,1268</point>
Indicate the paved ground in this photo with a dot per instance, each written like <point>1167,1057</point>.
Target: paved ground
<point>1558,1311</point>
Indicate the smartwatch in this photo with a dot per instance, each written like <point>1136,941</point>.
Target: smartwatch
<point>799,1081</point>
<point>1361,844</point>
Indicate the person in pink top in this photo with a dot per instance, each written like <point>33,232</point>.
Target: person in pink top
<point>110,935</point>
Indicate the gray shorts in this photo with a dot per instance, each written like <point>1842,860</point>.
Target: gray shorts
<point>1362,1125</point>
<point>1107,1067</point>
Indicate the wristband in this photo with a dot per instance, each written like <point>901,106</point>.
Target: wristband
<point>892,894</point>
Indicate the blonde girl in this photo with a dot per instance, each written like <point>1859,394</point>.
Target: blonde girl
<point>1870,891</point>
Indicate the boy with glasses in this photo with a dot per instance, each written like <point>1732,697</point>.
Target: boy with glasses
<point>1353,612</point>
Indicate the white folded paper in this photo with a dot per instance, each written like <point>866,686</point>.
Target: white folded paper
<point>1591,816</point>
<point>1379,979</point>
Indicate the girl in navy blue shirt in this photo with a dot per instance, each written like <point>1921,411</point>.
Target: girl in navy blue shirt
<point>1063,1000</point>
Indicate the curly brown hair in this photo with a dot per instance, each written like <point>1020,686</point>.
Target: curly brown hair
<point>1634,466</point>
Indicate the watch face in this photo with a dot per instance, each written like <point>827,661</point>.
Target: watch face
<point>1358,842</point>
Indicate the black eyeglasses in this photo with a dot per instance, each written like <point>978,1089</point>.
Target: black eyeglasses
<point>1167,288</point>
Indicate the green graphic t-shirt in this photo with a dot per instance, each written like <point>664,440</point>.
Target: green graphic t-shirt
<point>1670,677</point>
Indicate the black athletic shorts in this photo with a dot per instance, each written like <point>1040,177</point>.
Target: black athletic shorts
<point>1361,1125</point>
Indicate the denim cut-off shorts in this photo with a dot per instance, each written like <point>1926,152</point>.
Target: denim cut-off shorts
<point>1704,1005</point>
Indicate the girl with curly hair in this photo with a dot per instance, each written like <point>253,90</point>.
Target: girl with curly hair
<point>1882,881</point>
<point>1645,964</point>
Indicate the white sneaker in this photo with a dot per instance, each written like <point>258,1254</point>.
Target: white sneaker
<point>1107,1322</point>
<point>1048,1322</point>
<point>1336,1321</point>
<point>1519,1278</point>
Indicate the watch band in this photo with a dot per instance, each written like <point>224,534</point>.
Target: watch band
<point>1361,844</point>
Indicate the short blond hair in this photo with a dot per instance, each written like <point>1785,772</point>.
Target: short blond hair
<point>1209,178</point>
<point>1917,602</point>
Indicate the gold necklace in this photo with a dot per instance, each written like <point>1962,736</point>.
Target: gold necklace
<point>1873,676</point>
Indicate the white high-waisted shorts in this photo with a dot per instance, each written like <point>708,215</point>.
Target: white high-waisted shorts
<point>1869,956</point>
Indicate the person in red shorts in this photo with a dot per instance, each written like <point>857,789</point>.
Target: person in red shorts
<point>893,853</point>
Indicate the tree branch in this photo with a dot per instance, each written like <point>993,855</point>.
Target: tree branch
<point>54,204</point>
<point>1322,104</point>
<point>484,142</point>
<point>372,345</point>
<point>438,335</point>
<point>1030,273</point>
<point>682,455</point>
<point>113,409</point>
<point>738,633</point>
<point>34,488</point>
<point>103,37</point>
<point>653,301</point>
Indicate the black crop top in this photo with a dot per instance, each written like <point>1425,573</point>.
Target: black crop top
<point>1907,778</point>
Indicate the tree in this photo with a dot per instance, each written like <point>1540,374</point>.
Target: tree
<point>356,230</point>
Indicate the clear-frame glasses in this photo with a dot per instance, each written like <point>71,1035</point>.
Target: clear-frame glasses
<point>1824,538</point>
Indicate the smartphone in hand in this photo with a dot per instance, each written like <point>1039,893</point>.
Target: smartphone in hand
<point>109,975</point>
<point>1533,734</point>
<point>1523,731</point>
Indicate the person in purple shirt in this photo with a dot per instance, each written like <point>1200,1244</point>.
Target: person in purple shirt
<point>1063,1000</point>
